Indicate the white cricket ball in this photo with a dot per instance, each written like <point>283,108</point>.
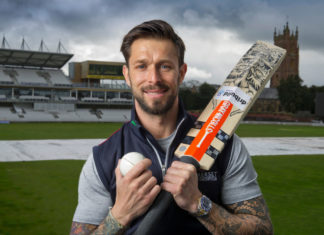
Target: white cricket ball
<point>129,160</point>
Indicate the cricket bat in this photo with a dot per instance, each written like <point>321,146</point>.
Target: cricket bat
<point>219,120</point>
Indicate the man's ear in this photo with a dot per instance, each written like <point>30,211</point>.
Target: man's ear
<point>183,71</point>
<point>126,75</point>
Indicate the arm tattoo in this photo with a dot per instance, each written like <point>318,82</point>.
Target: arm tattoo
<point>246,217</point>
<point>108,226</point>
<point>82,228</point>
<point>255,206</point>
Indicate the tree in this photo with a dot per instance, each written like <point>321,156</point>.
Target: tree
<point>295,97</point>
<point>189,98</point>
<point>197,100</point>
<point>206,92</point>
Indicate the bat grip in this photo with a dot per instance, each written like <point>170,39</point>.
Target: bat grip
<point>159,206</point>
<point>190,160</point>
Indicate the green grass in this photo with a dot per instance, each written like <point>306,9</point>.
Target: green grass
<point>35,131</point>
<point>40,197</point>
<point>293,187</point>
<point>24,131</point>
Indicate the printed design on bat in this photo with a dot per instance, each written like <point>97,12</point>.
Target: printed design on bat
<point>253,68</point>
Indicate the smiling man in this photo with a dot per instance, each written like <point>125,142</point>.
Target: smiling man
<point>154,74</point>
<point>228,201</point>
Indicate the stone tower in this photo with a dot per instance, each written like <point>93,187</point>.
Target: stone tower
<point>290,66</point>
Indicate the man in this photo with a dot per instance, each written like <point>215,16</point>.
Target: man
<point>110,203</point>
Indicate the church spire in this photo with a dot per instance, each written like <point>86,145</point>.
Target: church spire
<point>286,30</point>
<point>288,40</point>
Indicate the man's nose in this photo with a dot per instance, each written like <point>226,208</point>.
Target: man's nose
<point>155,75</point>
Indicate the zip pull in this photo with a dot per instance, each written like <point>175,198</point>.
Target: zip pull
<point>163,170</point>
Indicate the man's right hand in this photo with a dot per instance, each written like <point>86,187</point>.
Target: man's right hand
<point>135,192</point>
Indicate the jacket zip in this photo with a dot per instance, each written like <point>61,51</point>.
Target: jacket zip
<point>164,166</point>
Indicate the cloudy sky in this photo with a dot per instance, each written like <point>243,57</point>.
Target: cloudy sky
<point>216,32</point>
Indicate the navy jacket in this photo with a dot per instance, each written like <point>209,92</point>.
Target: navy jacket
<point>132,137</point>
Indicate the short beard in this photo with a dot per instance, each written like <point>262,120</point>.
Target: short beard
<point>158,108</point>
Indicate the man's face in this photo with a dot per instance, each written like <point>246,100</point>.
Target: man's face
<point>154,75</point>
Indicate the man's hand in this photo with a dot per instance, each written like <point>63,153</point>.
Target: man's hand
<point>181,181</point>
<point>135,192</point>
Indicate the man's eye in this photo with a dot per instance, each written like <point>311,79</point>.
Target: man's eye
<point>140,66</point>
<point>165,66</point>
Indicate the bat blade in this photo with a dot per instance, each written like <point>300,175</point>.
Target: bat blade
<point>232,101</point>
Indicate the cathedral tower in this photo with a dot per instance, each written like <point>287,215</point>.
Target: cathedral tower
<point>290,65</point>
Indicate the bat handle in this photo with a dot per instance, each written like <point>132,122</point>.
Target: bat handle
<point>190,160</point>
<point>159,206</point>
<point>157,210</point>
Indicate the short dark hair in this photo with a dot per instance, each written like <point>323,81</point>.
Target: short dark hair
<point>158,29</point>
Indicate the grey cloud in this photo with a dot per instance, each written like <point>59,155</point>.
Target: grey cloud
<point>97,21</point>
<point>255,20</point>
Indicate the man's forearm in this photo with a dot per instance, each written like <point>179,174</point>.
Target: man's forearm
<point>108,226</point>
<point>247,217</point>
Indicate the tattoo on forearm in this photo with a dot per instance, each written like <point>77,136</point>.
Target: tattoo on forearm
<point>108,226</point>
<point>246,217</point>
<point>256,206</point>
<point>82,228</point>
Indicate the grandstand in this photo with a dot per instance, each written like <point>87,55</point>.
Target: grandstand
<point>33,88</point>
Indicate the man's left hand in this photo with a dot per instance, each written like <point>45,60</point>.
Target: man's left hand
<point>181,180</point>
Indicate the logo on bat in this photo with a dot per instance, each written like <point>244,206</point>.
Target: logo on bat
<point>235,95</point>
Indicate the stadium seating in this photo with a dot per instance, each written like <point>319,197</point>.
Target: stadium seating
<point>68,99</point>
<point>92,99</point>
<point>38,116</point>
<point>53,107</point>
<point>5,78</point>
<point>34,77</point>
<point>115,115</point>
<point>58,78</point>
<point>120,101</point>
<point>30,77</point>
<point>33,98</point>
<point>7,115</point>
<point>28,114</point>
<point>19,110</point>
